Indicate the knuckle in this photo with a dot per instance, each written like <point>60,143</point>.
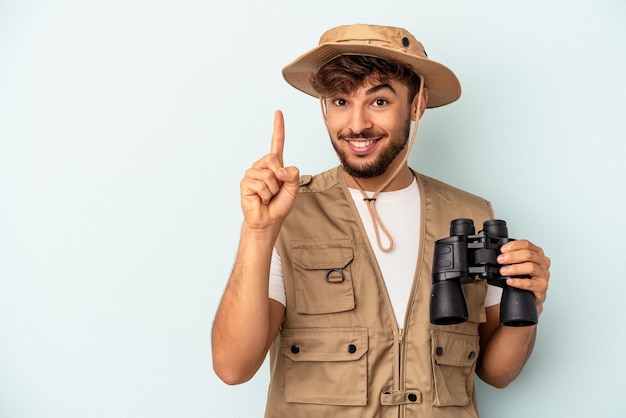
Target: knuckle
<point>535,270</point>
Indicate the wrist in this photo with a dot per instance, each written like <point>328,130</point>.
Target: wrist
<point>267,234</point>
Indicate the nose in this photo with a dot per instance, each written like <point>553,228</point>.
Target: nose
<point>359,120</point>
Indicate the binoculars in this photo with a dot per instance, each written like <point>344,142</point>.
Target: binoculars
<point>464,257</point>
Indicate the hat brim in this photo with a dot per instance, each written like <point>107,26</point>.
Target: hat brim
<point>443,86</point>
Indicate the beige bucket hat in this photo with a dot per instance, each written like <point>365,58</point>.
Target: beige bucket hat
<point>379,41</point>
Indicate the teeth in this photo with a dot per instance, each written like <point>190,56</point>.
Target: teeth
<point>361,144</point>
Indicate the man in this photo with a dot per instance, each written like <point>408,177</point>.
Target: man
<point>345,256</point>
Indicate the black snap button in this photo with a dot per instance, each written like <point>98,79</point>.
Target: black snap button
<point>351,348</point>
<point>439,351</point>
<point>472,354</point>
<point>405,41</point>
<point>295,349</point>
<point>412,397</point>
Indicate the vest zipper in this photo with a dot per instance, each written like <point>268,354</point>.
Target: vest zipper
<point>399,358</point>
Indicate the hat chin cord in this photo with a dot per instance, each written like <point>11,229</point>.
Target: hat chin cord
<point>371,200</point>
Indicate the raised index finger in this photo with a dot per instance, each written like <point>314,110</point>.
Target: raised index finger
<point>278,136</point>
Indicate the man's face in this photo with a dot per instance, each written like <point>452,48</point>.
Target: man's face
<point>369,127</point>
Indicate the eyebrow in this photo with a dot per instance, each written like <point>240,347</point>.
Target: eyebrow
<point>381,87</point>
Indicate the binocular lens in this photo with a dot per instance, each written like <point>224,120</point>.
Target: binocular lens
<point>518,308</point>
<point>461,226</point>
<point>496,227</point>
<point>447,303</point>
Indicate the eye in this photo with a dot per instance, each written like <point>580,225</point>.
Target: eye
<point>340,102</point>
<point>380,102</point>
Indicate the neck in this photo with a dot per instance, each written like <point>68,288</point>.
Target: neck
<point>403,179</point>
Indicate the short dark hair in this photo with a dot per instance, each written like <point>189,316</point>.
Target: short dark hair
<point>346,73</point>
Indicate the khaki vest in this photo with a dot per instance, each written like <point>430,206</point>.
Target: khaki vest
<point>340,352</point>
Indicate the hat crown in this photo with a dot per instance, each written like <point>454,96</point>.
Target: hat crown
<point>385,36</point>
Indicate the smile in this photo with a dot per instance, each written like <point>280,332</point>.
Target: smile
<point>362,143</point>
<point>362,146</point>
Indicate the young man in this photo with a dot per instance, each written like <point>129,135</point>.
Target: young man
<point>345,256</point>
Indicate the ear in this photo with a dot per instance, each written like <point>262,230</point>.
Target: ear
<point>417,109</point>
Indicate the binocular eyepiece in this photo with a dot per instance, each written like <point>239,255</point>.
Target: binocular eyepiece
<point>464,257</point>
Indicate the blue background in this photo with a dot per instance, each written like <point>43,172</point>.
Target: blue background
<point>126,126</point>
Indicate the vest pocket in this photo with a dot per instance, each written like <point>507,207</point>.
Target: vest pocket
<point>454,359</point>
<point>325,366</point>
<point>322,276</point>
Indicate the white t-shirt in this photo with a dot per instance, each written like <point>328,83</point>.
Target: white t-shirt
<point>400,213</point>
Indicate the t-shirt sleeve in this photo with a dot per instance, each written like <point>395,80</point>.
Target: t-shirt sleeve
<point>493,295</point>
<point>277,282</point>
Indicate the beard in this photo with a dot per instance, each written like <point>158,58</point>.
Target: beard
<point>397,141</point>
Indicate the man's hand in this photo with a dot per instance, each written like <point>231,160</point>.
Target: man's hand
<point>523,257</point>
<point>268,189</point>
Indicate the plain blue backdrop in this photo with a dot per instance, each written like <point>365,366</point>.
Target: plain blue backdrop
<point>126,126</point>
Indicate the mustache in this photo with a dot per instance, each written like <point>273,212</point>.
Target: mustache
<point>366,134</point>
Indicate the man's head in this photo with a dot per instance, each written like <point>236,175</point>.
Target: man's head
<point>368,80</point>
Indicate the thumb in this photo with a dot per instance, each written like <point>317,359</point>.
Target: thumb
<point>290,176</point>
